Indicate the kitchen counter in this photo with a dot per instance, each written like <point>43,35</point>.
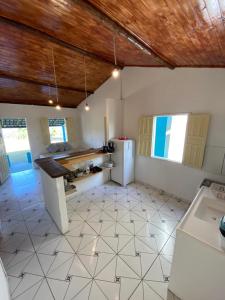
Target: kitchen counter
<point>53,168</point>
<point>57,165</point>
<point>52,171</point>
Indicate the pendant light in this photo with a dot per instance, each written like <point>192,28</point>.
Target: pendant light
<point>50,101</point>
<point>58,107</point>
<point>86,107</point>
<point>116,71</point>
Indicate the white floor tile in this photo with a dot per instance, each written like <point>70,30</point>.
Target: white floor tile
<point>106,270</point>
<point>134,263</point>
<point>89,262</point>
<point>159,288</point>
<point>126,246</point>
<point>44,292</point>
<point>45,261</point>
<point>58,288</point>
<point>116,237</point>
<point>128,286</point>
<point>124,270</point>
<point>29,285</point>
<point>61,266</point>
<point>78,287</point>
<point>110,289</point>
<point>77,268</point>
<point>138,293</point>
<point>149,293</point>
<point>34,267</point>
<point>96,293</point>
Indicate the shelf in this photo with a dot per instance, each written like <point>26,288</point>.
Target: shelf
<point>86,176</point>
<point>89,175</point>
<point>76,160</point>
<point>70,192</point>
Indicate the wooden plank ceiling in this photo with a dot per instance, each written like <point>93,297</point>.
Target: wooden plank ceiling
<point>149,33</point>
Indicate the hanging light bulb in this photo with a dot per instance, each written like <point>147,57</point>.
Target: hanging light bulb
<point>86,107</point>
<point>116,71</point>
<point>58,107</point>
<point>50,101</point>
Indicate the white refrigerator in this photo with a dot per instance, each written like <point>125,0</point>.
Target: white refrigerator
<point>123,158</point>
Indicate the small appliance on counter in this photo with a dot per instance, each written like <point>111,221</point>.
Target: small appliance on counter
<point>111,148</point>
<point>108,148</point>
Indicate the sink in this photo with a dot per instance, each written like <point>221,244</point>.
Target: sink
<point>199,257</point>
<point>203,217</point>
<point>210,210</point>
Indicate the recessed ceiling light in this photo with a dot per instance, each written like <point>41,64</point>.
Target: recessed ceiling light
<point>58,107</point>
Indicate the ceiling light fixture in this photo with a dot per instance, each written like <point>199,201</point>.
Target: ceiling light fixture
<point>86,107</point>
<point>50,101</point>
<point>116,71</point>
<point>58,107</point>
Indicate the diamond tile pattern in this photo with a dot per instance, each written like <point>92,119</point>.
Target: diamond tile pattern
<point>119,246</point>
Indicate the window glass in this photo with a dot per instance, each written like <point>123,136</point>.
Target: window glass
<point>169,137</point>
<point>57,130</point>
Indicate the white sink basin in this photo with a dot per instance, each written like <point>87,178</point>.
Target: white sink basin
<point>203,217</point>
<point>198,266</point>
<point>210,210</point>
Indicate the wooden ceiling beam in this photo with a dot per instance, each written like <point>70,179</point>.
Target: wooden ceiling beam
<point>55,40</point>
<point>38,103</point>
<point>3,75</point>
<point>117,28</point>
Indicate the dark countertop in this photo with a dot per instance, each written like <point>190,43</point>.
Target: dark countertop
<point>51,165</point>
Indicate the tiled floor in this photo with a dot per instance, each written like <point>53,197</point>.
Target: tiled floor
<point>119,246</point>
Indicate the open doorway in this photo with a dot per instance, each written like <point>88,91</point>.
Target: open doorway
<point>15,136</point>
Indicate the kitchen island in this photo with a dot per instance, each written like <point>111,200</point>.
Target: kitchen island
<point>54,171</point>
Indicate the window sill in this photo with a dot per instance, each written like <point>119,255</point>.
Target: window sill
<point>166,159</point>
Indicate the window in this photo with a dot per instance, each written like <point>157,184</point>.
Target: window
<point>169,137</point>
<point>57,130</point>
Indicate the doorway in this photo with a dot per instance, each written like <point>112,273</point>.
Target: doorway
<point>17,146</point>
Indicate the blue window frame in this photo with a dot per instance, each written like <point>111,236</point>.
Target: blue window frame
<point>169,136</point>
<point>57,130</point>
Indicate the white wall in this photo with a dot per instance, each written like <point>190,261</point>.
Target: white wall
<point>149,91</point>
<point>158,91</point>
<point>33,115</point>
<point>105,102</point>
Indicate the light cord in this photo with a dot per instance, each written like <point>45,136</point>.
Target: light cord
<point>53,62</point>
